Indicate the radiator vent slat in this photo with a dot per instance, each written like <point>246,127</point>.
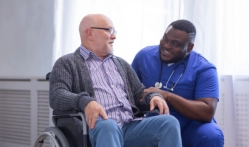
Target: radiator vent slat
<point>43,111</point>
<point>15,106</point>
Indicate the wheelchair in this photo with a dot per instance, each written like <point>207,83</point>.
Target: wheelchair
<point>66,133</point>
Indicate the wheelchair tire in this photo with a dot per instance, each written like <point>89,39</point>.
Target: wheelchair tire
<point>55,135</point>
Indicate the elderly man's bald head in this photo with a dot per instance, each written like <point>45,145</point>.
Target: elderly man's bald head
<point>92,20</point>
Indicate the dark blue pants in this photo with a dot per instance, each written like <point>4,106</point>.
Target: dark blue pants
<point>202,135</point>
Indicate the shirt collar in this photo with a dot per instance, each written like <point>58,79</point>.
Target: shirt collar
<point>85,53</point>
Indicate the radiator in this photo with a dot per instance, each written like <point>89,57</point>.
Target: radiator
<point>24,111</point>
<point>232,110</point>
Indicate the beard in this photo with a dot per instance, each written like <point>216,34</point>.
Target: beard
<point>110,51</point>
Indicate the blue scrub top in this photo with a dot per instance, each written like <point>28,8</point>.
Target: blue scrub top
<point>199,79</point>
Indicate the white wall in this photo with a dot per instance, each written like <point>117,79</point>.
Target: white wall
<point>26,37</point>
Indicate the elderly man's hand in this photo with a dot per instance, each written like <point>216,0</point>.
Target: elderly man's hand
<point>160,103</point>
<point>92,111</point>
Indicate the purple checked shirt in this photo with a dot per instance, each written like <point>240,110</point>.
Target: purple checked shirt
<point>108,87</point>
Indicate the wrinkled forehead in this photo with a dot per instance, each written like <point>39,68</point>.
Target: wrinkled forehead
<point>103,21</point>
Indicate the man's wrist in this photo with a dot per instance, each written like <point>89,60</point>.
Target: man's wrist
<point>153,94</point>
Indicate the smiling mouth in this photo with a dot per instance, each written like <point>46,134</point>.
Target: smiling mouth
<point>165,51</point>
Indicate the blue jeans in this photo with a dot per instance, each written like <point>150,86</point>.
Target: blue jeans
<point>160,130</point>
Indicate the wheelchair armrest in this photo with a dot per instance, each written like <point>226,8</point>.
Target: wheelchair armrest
<point>145,111</point>
<point>67,112</point>
<point>70,113</point>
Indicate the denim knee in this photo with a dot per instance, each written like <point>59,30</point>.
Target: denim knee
<point>169,131</point>
<point>108,125</point>
<point>170,121</point>
<point>106,133</point>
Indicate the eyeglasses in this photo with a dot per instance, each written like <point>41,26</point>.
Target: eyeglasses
<point>110,30</point>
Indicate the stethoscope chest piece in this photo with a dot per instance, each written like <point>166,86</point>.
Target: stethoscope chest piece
<point>158,85</point>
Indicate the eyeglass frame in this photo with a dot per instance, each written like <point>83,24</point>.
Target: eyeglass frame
<point>110,30</point>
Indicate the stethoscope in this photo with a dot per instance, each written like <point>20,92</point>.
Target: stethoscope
<point>159,84</point>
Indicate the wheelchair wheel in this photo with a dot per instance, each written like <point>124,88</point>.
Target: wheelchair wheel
<point>51,137</point>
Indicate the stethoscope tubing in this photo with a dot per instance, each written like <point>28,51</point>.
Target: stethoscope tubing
<point>158,84</point>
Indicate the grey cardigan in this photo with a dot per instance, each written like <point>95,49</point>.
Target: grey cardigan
<point>71,85</point>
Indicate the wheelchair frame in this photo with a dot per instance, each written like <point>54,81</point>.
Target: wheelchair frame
<point>57,136</point>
